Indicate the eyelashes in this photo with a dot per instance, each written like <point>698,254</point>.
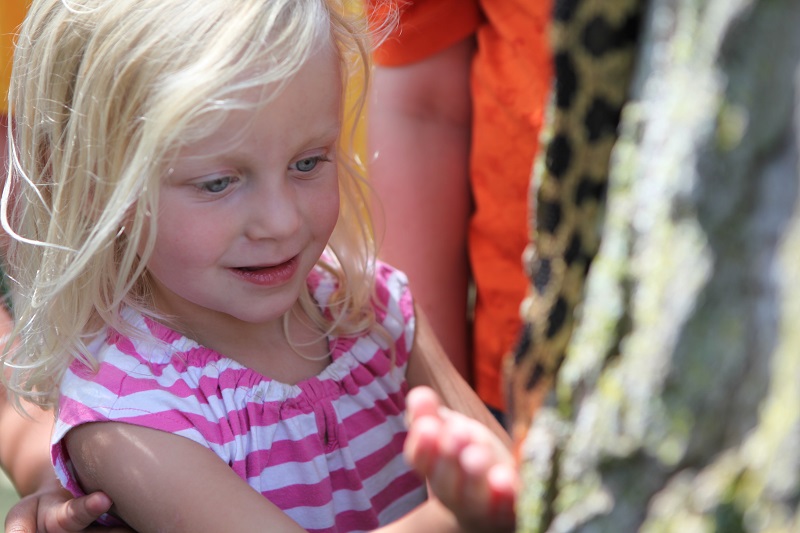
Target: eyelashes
<point>216,185</point>
<point>221,183</point>
<point>308,164</point>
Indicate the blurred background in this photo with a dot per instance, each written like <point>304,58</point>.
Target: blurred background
<point>11,13</point>
<point>7,495</point>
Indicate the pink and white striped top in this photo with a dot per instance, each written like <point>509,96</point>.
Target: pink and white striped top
<point>326,450</point>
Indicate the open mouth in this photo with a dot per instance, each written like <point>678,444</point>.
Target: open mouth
<point>268,274</point>
<point>254,269</point>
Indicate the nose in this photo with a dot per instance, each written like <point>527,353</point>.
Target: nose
<point>273,211</point>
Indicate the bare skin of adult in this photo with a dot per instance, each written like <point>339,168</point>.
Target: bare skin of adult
<point>418,140</point>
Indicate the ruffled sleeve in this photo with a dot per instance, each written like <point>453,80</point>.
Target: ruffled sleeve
<point>164,391</point>
<point>395,309</point>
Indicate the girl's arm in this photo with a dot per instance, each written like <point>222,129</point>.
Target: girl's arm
<point>164,482</point>
<point>456,443</point>
<point>429,365</point>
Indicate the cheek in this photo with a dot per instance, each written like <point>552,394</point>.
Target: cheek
<point>180,240</point>
<point>167,257</point>
<point>328,211</point>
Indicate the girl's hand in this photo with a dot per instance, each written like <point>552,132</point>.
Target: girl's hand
<point>468,468</point>
<point>54,510</point>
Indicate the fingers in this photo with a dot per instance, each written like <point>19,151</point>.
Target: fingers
<point>432,435</point>
<point>79,513</point>
<point>468,468</point>
<point>56,512</point>
<point>421,448</point>
<point>459,476</point>
<point>488,485</point>
<point>503,482</point>
<point>422,401</point>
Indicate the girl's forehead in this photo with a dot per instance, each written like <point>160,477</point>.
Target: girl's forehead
<point>306,106</point>
<point>257,86</point>
<point>232,113</point>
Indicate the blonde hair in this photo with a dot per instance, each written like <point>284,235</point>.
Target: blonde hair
<point>103,91</point>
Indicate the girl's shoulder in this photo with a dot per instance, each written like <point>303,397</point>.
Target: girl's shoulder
<point>393,294</point>
<point>147,362</point>
<point>392,306</point>
<point>391,290</point>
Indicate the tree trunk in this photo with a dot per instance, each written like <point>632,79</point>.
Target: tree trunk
<point>678,407</point>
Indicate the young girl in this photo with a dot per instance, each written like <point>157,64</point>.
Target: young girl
<point>194,282</point>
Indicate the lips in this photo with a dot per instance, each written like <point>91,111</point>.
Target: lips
<point>268,275</point>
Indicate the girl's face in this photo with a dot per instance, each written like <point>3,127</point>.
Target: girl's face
<point>241,224</point>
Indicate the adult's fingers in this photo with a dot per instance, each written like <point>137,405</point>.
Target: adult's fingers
<point>77,514</point>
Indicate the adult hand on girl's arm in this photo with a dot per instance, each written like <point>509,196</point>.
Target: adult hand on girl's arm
<point>25,457</point>
<point>45,505</point>
<point>54,510</point>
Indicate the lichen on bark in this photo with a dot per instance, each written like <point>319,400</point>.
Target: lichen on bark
<point>678,407</point>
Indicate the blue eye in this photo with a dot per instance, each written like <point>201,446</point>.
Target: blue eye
<point>307,164</point>
<point>216,185</point>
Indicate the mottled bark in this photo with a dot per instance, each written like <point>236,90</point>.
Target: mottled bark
<point>678,407</point>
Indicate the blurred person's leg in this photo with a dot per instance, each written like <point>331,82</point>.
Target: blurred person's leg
<point>418,141</point>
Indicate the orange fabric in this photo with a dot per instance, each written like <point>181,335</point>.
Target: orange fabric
<point>421,31</point>
<point>11,14</point>
<point>510,83</point>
